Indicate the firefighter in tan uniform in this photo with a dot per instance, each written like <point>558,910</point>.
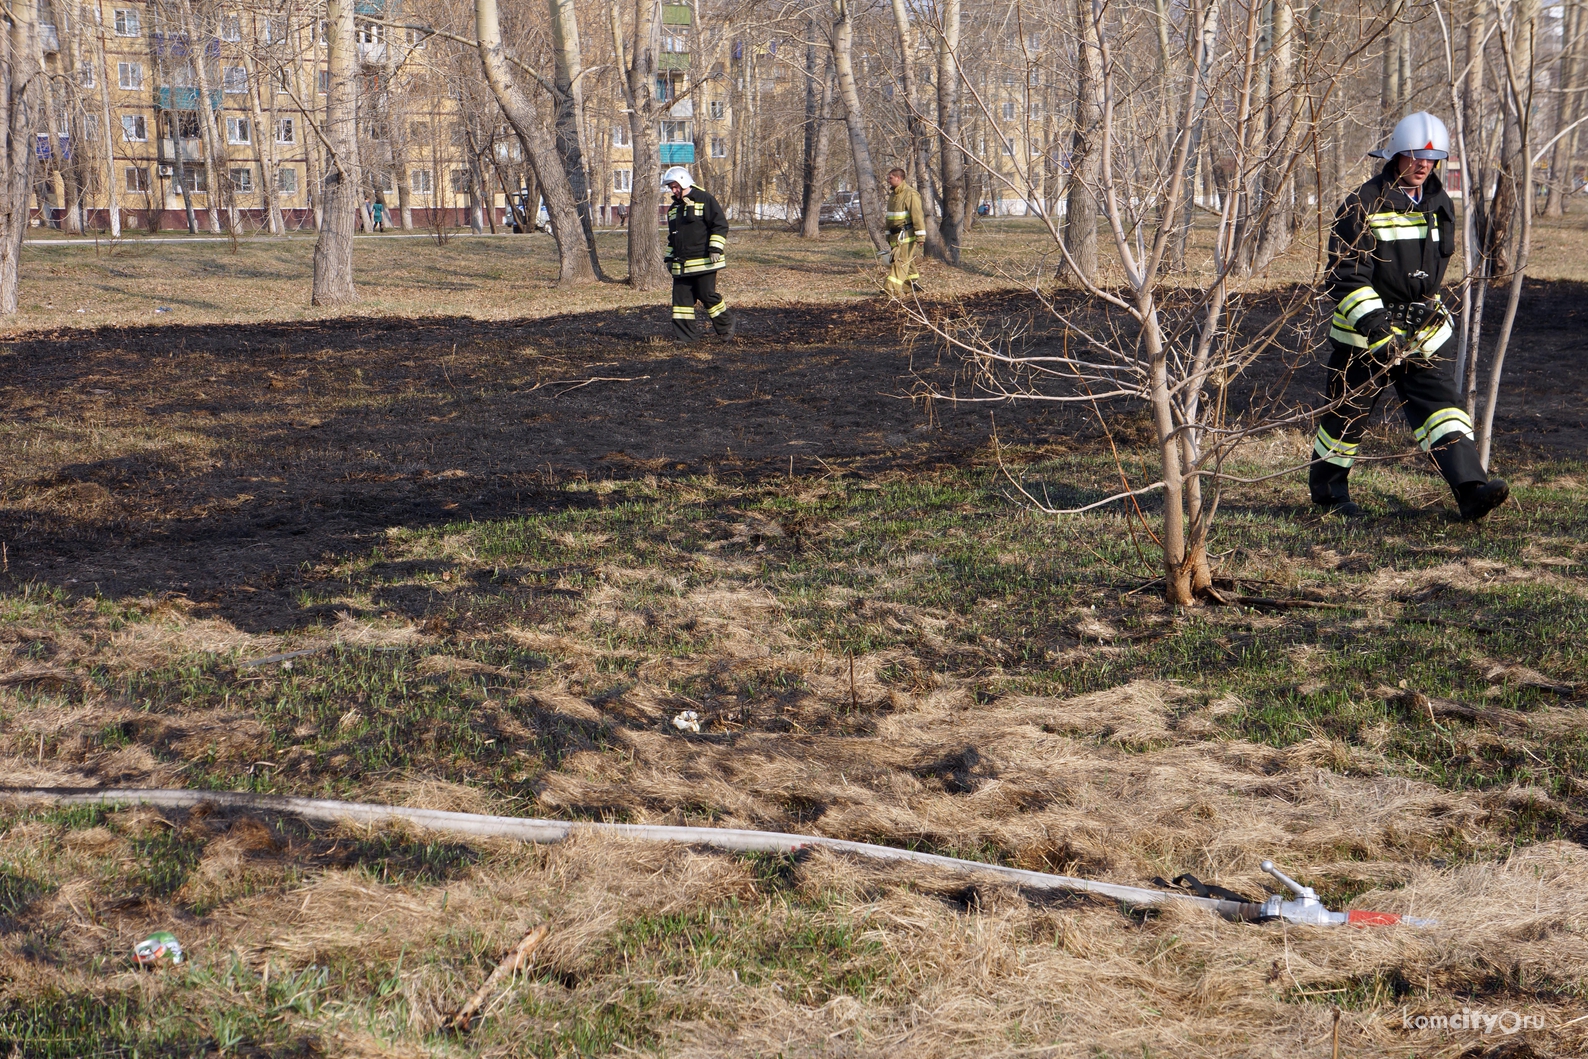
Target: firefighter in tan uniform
<point>906,233</point>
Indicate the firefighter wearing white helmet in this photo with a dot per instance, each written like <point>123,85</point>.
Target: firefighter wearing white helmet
<point>697,235</point>
<point>1388,252</point>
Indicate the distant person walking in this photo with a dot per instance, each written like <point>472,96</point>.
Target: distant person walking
<point>906,234</point>
<point>697,235</point>
<point>379,212</point>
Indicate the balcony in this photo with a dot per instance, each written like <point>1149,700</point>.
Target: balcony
<point>678,154</point>
<point>185,98</point>
<point>683,108</point>
<point>49,40</point>
<point>373,52</point>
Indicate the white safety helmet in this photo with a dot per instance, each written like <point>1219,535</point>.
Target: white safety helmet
<point>678,175</point>
<point>1420,135</point>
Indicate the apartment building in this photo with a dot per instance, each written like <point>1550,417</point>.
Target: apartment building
<point>161,106</point>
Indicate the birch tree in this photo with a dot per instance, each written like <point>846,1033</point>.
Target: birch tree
<point>333,249</point>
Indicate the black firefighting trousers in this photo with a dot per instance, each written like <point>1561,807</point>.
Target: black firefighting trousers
<point>1433,408</point>
<point>687,290</point>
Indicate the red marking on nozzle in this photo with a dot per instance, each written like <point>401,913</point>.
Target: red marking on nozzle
<point>1359,918</point>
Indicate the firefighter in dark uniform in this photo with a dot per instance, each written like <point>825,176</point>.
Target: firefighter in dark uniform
<point>1391,243</point>
<point>697,235</point>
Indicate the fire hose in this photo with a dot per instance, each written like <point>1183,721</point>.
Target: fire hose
<point>1303,908</point>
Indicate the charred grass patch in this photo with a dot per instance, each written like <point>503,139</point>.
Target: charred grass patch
<point>348,581</point>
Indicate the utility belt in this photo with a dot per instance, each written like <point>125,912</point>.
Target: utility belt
<point>1425,327</point>
<point>1411,316</point>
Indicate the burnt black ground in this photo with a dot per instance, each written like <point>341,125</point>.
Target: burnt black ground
<point>309,440</point>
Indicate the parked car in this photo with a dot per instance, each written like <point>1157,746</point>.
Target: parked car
<point>843,208</point>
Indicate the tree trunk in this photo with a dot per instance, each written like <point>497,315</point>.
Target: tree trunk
<point>818,110</point>
<point>637,73</point>
<point>871,206</point>
<point>920,140</point>
<point>1201,64</point>
<point>569,102</point>
<point>264,151</point>
<point>206,117</point>
<point>950,156</point>
<point>573,254</point>
<point>1568,105</point>
<point>333,250</point>
<point>1080,221</point>
<point>112,192</point>
<point>1278,175</point>
<point>25,113</point>
<point>180,154</point>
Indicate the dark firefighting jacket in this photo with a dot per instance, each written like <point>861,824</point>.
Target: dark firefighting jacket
<point>696,229</point>
<point>1387,256</point>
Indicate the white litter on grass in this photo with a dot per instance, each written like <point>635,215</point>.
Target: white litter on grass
<point>688,721</point>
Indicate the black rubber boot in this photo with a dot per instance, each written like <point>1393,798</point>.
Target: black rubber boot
<point>1477,499</point>
<point>1330,487</point>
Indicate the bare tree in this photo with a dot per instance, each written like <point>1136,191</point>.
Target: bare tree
<point>920,138</point>
<point>333,249</point>
<point>573,253</point>
<point>568,99</point>
<point>843,40</point>
<point>950,156</point>
<point>818,111</point>
<point>636,61</point>
<point>25,114</point>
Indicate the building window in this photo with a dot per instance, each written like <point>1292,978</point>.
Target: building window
<point>1009,147</point>
<point>719,147</point>
<point>231,28</point>
<point>414,38</point>
<point>286,132</point>
<point>718,109</point>
<point>130,75</point>
<point>460,181</point>
<point>85,75</point>
<point>133,128</point>
<point>275,30</point>
<point>126,22</point>
<point>284,81</point>
<point>370,32</point>
<point>623,180</point>
<point>675,132</point>
<point>188,122</point>
<point>420,181</point>
<point>384,182</point>
<point>1009,112</point>
<point>324,82</point>
<point>242,179</point>
<point>194,180</point>
<point>237,131</point>
<point>91,126</point>
<point>620,136</point>
<point>325,28</point>
<point>137,178</point>
<point>287,180</point>
<point>235,79</point>
<point>375,130</point>
<point>675,41</point>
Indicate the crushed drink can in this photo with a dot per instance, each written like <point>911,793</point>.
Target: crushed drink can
<point>158,947</point>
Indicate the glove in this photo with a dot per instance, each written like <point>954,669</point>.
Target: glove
<point>716,256</point>
<point>1375,325</point>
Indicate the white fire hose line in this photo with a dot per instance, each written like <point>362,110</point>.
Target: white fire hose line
<point>1305,909</point>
